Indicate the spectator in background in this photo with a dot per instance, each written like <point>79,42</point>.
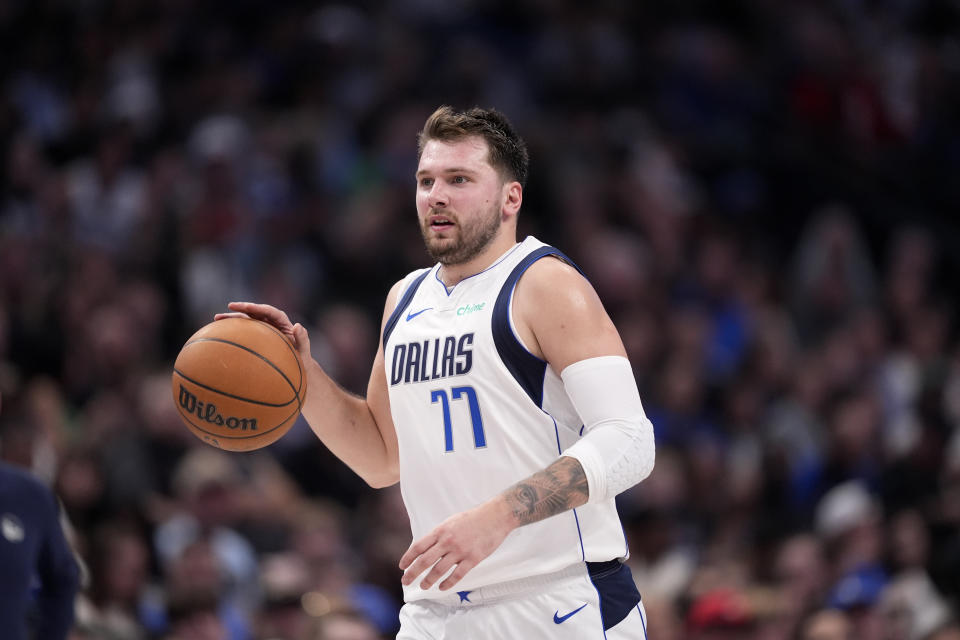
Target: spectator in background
<point>193,616</point>
<point>199,597</point>
<point>206,484</point>
<point>947,632</point>
<point>344,624</point>
<point>285,582</point>
<point>119,562</point>
<point>802,574</point>
<point>832,276</point>
<point>849,522</point>
<point>33,550</point>
<point>827,624</point>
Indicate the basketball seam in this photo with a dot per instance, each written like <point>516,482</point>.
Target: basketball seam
<point>230,395</point>
<point>296,356</point>
<point>217,434</point>
<point>296,391</point>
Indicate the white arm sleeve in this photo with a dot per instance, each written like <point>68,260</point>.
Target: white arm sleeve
<point>617,449</point>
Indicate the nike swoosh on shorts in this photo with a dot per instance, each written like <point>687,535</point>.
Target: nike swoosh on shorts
<point>557,618</point>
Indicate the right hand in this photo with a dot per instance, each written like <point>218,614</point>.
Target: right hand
<point>296,333</point>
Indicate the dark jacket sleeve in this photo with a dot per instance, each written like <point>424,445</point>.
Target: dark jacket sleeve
<point>59,576</point>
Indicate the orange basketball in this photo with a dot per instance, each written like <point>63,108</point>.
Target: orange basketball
<point>238,384</point>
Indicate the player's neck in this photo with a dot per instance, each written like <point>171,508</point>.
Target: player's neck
<point>453,274</point>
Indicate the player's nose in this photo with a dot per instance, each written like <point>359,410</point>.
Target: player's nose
<point>438,197</point>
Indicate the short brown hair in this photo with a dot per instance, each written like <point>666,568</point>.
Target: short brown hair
<point>507,151</point>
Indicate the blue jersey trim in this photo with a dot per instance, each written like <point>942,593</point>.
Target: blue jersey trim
<point>405,300</point>
<point>527,369</point>
<point>576,518</point>
<point>446,290</point>
<point>556,432</point>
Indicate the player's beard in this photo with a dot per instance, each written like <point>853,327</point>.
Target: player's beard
<point>469,242</point>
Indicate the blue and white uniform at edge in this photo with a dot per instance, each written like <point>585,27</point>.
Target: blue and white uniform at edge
<point>475,412</point>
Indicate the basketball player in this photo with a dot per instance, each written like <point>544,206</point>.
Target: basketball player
<point>502,400</point>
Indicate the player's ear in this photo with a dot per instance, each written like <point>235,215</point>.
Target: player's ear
<point>513,198</point>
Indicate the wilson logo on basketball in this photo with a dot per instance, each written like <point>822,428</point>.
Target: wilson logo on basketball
<point>207,411</point>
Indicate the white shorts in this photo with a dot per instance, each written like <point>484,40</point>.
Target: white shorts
<point>576,603</point>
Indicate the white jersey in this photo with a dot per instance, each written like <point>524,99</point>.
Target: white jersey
<point>476,412</point>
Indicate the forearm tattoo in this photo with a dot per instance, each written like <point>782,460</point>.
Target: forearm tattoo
<point>558,488</point>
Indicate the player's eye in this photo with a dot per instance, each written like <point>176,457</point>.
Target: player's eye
<point>426,182</point>
<point>459,179</point>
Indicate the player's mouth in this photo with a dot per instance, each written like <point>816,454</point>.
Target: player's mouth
<point>440,223</point>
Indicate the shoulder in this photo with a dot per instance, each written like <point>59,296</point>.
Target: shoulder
<point>398,297</point>
<point>558,313</point>
<point>394,294</point>
<point>24,486</point>
<point>19,479</point>
<point>390,305</point>
<point>552,279</point>
<point>408,284</point>
<point>400,287</point>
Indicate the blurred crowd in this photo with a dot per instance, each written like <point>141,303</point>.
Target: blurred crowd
<point>763,194</point>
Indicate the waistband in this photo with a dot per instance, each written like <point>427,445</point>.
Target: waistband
<point>511,589</point>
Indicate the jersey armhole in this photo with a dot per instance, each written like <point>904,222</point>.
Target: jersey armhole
<point>402,304</point>
<point>513,325</point>
<point>527,369</point>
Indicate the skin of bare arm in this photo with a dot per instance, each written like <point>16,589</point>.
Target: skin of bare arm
<point>560,319</point>
<point>357,430</point>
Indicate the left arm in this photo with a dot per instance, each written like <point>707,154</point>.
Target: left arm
<point>582,331</point>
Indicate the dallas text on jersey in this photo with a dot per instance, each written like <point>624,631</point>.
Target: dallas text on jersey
<point>430,360</point>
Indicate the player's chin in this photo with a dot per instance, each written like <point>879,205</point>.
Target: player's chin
<point>443,252</point>
<point>441,241</point>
